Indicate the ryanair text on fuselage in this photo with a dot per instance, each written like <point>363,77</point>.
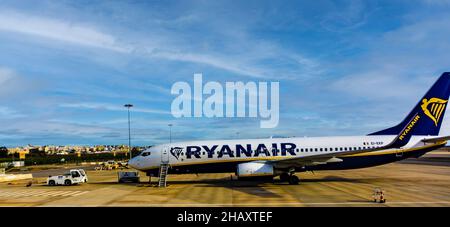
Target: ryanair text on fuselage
<point>281,149</point>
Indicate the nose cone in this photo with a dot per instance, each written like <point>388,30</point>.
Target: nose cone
<point>133,163</point>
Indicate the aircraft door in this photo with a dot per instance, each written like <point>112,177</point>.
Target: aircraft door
<point>165,154</point>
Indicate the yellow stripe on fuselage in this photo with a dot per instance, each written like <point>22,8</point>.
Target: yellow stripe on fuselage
<point>394,151</point>
<point>233,160</point>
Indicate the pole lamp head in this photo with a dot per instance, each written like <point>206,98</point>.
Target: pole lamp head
<point>128,105</point>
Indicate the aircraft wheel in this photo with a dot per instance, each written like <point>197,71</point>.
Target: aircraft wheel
<point>293,180</point>
<point>284,177</point>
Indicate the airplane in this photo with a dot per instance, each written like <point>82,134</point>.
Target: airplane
<point>416,135</point>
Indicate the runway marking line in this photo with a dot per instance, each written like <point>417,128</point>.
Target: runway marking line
<point>280,204</point>
<point>48,193</point>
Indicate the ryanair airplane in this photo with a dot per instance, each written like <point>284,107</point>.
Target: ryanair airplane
<point>416,135</point>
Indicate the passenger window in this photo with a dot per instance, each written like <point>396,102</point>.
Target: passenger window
<point>321,149</point>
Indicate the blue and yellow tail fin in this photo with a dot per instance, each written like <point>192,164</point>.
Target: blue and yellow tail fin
<point>426,117</point>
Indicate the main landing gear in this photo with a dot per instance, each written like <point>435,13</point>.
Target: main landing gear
<point>290,178</point>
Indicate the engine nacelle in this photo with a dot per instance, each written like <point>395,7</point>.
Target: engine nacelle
<point>254,169</point>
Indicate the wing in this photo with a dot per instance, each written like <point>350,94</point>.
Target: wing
<point>319,159</point>
<point>436,139</point>
<point>398,142</point>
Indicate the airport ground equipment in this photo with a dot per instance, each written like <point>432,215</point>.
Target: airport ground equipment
<point>378,195</point>
<point>74,176</point>
<point>163,170</point>
<point>109,165</point>
<point>128,177</point>
<point>123,165</point>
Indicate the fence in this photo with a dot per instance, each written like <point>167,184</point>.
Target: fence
<point>71,158</point>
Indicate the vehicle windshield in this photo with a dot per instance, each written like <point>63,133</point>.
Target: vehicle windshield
<point>82,173</point>
<point>75,174</point>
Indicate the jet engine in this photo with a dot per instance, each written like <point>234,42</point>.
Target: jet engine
<point>255,169</point>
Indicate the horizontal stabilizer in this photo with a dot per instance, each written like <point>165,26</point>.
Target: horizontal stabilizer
<point>436,139</point>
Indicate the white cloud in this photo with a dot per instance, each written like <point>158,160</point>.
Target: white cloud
<point>401,62</point>
<point>58,30</point>
<point>6,75</point>
<point>166,46</point>
<point>437,2</point>
<point>377,84</point>
<point>111,107</point>
<point>8,113</point>
<point>353,16</point>
<point>214,61</point>
<point>13,85</point>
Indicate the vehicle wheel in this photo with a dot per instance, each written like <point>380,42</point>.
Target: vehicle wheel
<point>293,179</point>
<point>67,182</point>
<point>52,183</point>
<point>284,177</point>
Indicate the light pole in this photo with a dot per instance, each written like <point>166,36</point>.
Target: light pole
<point>128,106</point>
<point>170,133</point>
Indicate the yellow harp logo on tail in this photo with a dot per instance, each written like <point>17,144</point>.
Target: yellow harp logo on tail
<point>434,108</point>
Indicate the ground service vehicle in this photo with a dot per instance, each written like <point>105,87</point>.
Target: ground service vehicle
<point>378,196</point>
<point>128,177</point>
<point>74,176</point>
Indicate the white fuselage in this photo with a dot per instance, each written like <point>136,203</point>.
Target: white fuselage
<point>214,151</point>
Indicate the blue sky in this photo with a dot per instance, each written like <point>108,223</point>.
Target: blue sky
<point>344,67</point>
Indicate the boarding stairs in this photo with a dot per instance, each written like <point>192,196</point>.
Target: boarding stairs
<point>163,170</point>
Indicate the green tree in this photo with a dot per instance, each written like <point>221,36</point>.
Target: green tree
<point>3,152</point>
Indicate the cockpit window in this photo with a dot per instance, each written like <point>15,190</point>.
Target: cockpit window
<point>146,153</point>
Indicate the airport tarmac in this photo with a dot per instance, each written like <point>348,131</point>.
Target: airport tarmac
<point>421,182</point>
